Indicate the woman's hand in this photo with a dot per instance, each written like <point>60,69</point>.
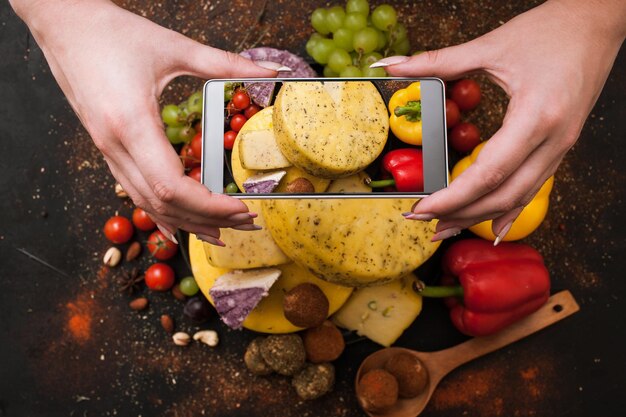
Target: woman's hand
<point>113,66</point>
<point>552,61</point>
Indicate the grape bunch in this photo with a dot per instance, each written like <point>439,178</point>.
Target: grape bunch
<point>181,120</point>
<point>347,41</point>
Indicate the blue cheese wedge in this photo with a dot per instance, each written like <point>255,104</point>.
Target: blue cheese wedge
<point>263,183</point>
<point>258,150</point>
<point>237,293</point>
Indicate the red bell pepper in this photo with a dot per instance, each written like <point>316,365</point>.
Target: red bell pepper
<point>498,284</point>
<point>406,166</point>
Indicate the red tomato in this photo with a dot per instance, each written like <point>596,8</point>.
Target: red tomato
<point>241,99</point>
<point>231,109</point>
<point>466,94</point>
<point>464,137</point>
<point>237,122</point>
<point>229,139</point>
<point>118,229</point>
<point>196,146</point>
<point>142,221</point>
<point>453,114</point>
<point>251,110</point>
<point>161,247</point>
<point>188,158</point>
<point>196,174</point>
<point>159,277</point>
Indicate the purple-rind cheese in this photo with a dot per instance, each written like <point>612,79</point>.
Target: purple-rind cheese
<point>263,183</point>
<point>262,93</point>
<point>234,306</point>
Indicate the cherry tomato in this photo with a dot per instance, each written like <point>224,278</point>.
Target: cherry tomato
<point>196,174</point>
<point>237,122</point>
<point>464,137</point>
<point>453,114</point>
<point>118,229</point>
<point>466,94</point>
<point>251,110</point>
<point>196,146</point>
<point>229,139</point>
<point>198,126</point>
<point>161,247</point>
<point>231,109</point>
<point>142,221</point>
<point>159,277</point>
<point>187,157</point>
<point>241,99</point>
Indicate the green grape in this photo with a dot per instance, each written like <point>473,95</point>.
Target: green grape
<point>401,48</point>
<point>397,33</point>
<point>188,286</point>
<point>355,21</point>
<point>369,59</point>
<point>194,103</point>
<point>350,72</point>
<point>343,39</point>
<point>318,21</point>
<point>334,18</point>
<point>382,40</point>
<point>310,44</point>
<point>355,58</point>
<point>173,134</point>
<point>186,133</point>
<point>169,114</point>
<point>373,72</point>
<point>338,60</point>
<point>329,73</point>
<point>231,188</point>
<point>358,6</point>
<point>384,17</point>
<point>365,40</point>
<point>322,50</point>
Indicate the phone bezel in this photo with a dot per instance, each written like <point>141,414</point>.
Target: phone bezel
<point>435,154</point>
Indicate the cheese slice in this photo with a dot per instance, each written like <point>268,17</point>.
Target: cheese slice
<point>258,150</point>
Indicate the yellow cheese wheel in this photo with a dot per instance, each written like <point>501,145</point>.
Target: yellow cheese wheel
<point>268,315</point>
<point>330,129</point>
<point>351,242</point>
<point>263,121</point>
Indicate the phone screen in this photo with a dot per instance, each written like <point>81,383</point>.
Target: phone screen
<point>324,138</point>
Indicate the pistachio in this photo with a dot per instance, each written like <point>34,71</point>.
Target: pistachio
<point>181,339</point>
<point>167,323</point>
<point>112,256</point>
<point>133,251</point>
<point>119,191</point>
<point>208,337</point>
<point>139,304</point>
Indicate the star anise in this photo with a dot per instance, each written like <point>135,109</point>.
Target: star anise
<point>130,281</point>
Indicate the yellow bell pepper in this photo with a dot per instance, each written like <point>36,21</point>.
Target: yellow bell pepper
<point>529,219</point>
<point>406,114</point>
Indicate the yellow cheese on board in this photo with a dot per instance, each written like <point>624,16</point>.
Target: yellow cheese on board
<point>351,242</point>
<point>258,150</point>
<point>381,313</point>
<point>263,121</point>
<point>268,315</point>
<point>330,129</point>
<point>352,184</point>
<point>246,249</point>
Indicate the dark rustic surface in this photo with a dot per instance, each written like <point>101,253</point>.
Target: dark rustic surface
<point>57,193</point>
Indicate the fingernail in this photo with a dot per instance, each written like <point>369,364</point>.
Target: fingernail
<point>274,66</point>
<point>391,60</point>
<point>445,234</point>
<point>247,227</point>
<point>211,240</point>
<point>240,217</point>
<point>502,233</point>
<point>167,233</point>
<point>418,216</point>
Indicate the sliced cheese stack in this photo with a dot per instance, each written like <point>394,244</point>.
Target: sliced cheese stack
<point>330,129</point>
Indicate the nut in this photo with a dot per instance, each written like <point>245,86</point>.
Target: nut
<point>139,304</point>
<point>167,323</point>
<point>181,339</point>
<point>112,256</point>
<point>119,191</point>
<point>178,294</point>
<point>300,185</point>
<point>133,251</point>
<point>208,337</point>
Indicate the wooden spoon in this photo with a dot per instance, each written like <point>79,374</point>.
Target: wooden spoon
<point>439,364</point>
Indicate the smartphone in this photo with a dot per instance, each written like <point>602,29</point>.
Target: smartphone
<point>325,137</point>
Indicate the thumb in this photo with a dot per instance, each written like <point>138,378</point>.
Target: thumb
<point>447,63</point>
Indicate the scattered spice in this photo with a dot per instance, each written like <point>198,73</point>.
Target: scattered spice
<point>130,281</point>
<point>80,319</point>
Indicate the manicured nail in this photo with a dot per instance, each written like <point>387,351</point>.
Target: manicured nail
<point>167,233</point>
<point>240,217</point>
<point>274,66</point>
<point>211,240</point>
<point>419,216</point>
<point>502,233</point>
<point>390,60</point>
<point>247,227</point>
<point>445,234</point>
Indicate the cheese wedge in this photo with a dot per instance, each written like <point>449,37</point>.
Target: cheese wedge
<point>258,150</point>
